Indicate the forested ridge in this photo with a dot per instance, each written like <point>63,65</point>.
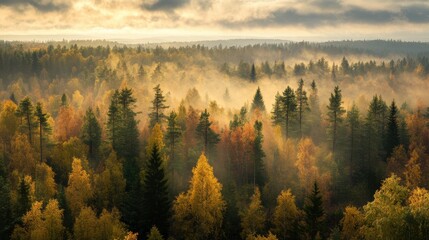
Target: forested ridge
<point>265,141</point>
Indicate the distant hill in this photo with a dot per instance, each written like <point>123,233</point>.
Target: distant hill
<point>215,43</point>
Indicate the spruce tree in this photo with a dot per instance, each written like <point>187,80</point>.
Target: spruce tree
<point>205,132</point>
<point>156,205</point>
<point>259,174</point>
<point>335,115</point>
<point>288,108</point>
<point>158,106</point>
<point>64,100</point>
<point>24,201</point>
<point>258,102</point>
<point>314,213</point>
<point>302,103</point>
<point>253,73</point>
<point>276,114</point>
<point>353,123</point>
<point>6,221</point>
<point>91,133</point>
<point>392,138</point>
<point>173,137</point>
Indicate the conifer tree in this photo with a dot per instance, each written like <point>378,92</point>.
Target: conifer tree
<point>253,73</point>
<point>173,137</point>
<point>288,108</point>
<point>335,115</point>
<point>314,213</point>
<point>353,123</point>
<point>24,201</point>
<point>43,125</point>
<point>276,114</point>
<point>259,174</point>
<point>392,138</point>
<point>26,112</point>
<point>64,100</point>
<point>91,133</point>
<point>258,102</point>
<point>302,103</point>
<point>6,220</point>
<point>205,132</point>
<point>158,106</point>
<point>156,205</point>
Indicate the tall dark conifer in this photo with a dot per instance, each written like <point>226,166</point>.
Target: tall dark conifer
<point>258,101</point>
<point>314,213</point>
<point>276,114</point>
<point>253,73</point>
<point>288,108</point>
<point>26,112</point>
<point>158,106</point>
<point>302,103</point>
<point>207,135</point>
<point>259,174</point>
<point>392,138</point>
<point>91,133</point>
<point>156,204</point>
<point>43,125</point>
<point>335,116</point>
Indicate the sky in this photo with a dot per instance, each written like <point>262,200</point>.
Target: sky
<point>188,20</point>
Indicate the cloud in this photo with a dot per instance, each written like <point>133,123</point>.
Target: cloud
<point>40,5</point>
<point>164,5</point>
<point>416,13</point>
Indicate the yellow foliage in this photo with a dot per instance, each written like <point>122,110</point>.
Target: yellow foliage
<point>253,219</point>
<point>413,173</point>
<point>286,215</point>
<point>351,223</point>
<point>79,190</point>
<point>22,157</point>
<point>46,187</point>
<point>198,213</point>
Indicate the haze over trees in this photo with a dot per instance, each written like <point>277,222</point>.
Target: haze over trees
<point>270,141</point>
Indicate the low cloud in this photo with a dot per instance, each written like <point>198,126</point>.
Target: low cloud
<point>40,5</point>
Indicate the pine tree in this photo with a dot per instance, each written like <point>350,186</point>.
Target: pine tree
<point>302,103</point>
<point>203,129</point>
<point>91,133</point>
<point>158,106</point>
<point>26,112</point>
<point>156,205</point>
<point>392,138</point>
<point>42,122</point>
<point>154,234</point>
<point>276,116</point>
<point>259,174</point>
<point>258,102</point>
<point>173,137</point>
<point>314,213</point>
<point>24,201</point>
<point>288,108</point>
<point>353,123</point>
<point>253,73</point>
<point>335,115</point>
<point>6,221</point>
<point>64,100</point>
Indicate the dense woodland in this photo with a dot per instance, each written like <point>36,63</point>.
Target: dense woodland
<point>271,141</point>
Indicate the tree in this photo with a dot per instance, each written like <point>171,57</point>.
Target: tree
<point>45,186</point>
<point>276,116</point>
<point>64,100</point>
<point>314,213</point>
<point>397,161</point>
<point>419,207</point>
<point>352,223</point>
<point>386,216</point>
<point>198,213</point>
<point>40,224</point>
<point>173,137</point>
<point>110,184</point>
<point>259,173</point>
<point>158,106</point>
<point>70,121</point>
<point>253,73</point>
<point>79,190</point>
<point>315,114</point>
<point>91,133</point>
<point>24,198</point>
<point>335,115</point>
<point>22,156</point>
<point>413,173</point>
<point>154,234</point>
<point>253,218</point>
<point>5,206</point>
<point>8,124</point>
<point>205,132</point>
<point>42,122</point>
<point>258,102</point>
<point>392,138</point>
<point>353,123</point>
<point>26,112</point>
<point>286,216</point>
<point>85,226</point>
<point>302,103</point>
<point>156,205</point>
<point>288,108</point>
<point>308,171</point>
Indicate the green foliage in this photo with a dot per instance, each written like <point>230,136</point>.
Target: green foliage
<point>25,111</point>
<point>335,115</point>
<point>91,133</point>
<point>204,131</point>
<point>156,204</point>
<point>301,104</point>
<point>314,213</point>
<point>158,106</point>
<point>258,102</point>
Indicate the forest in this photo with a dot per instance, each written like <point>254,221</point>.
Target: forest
<point>289,140</point>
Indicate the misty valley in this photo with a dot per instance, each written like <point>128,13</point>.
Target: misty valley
<point>228,139</point>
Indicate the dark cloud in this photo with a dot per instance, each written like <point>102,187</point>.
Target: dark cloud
<point>416,13</point>
<point>164,5</point>
<point>42,6</point>
<point>334,16</point>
